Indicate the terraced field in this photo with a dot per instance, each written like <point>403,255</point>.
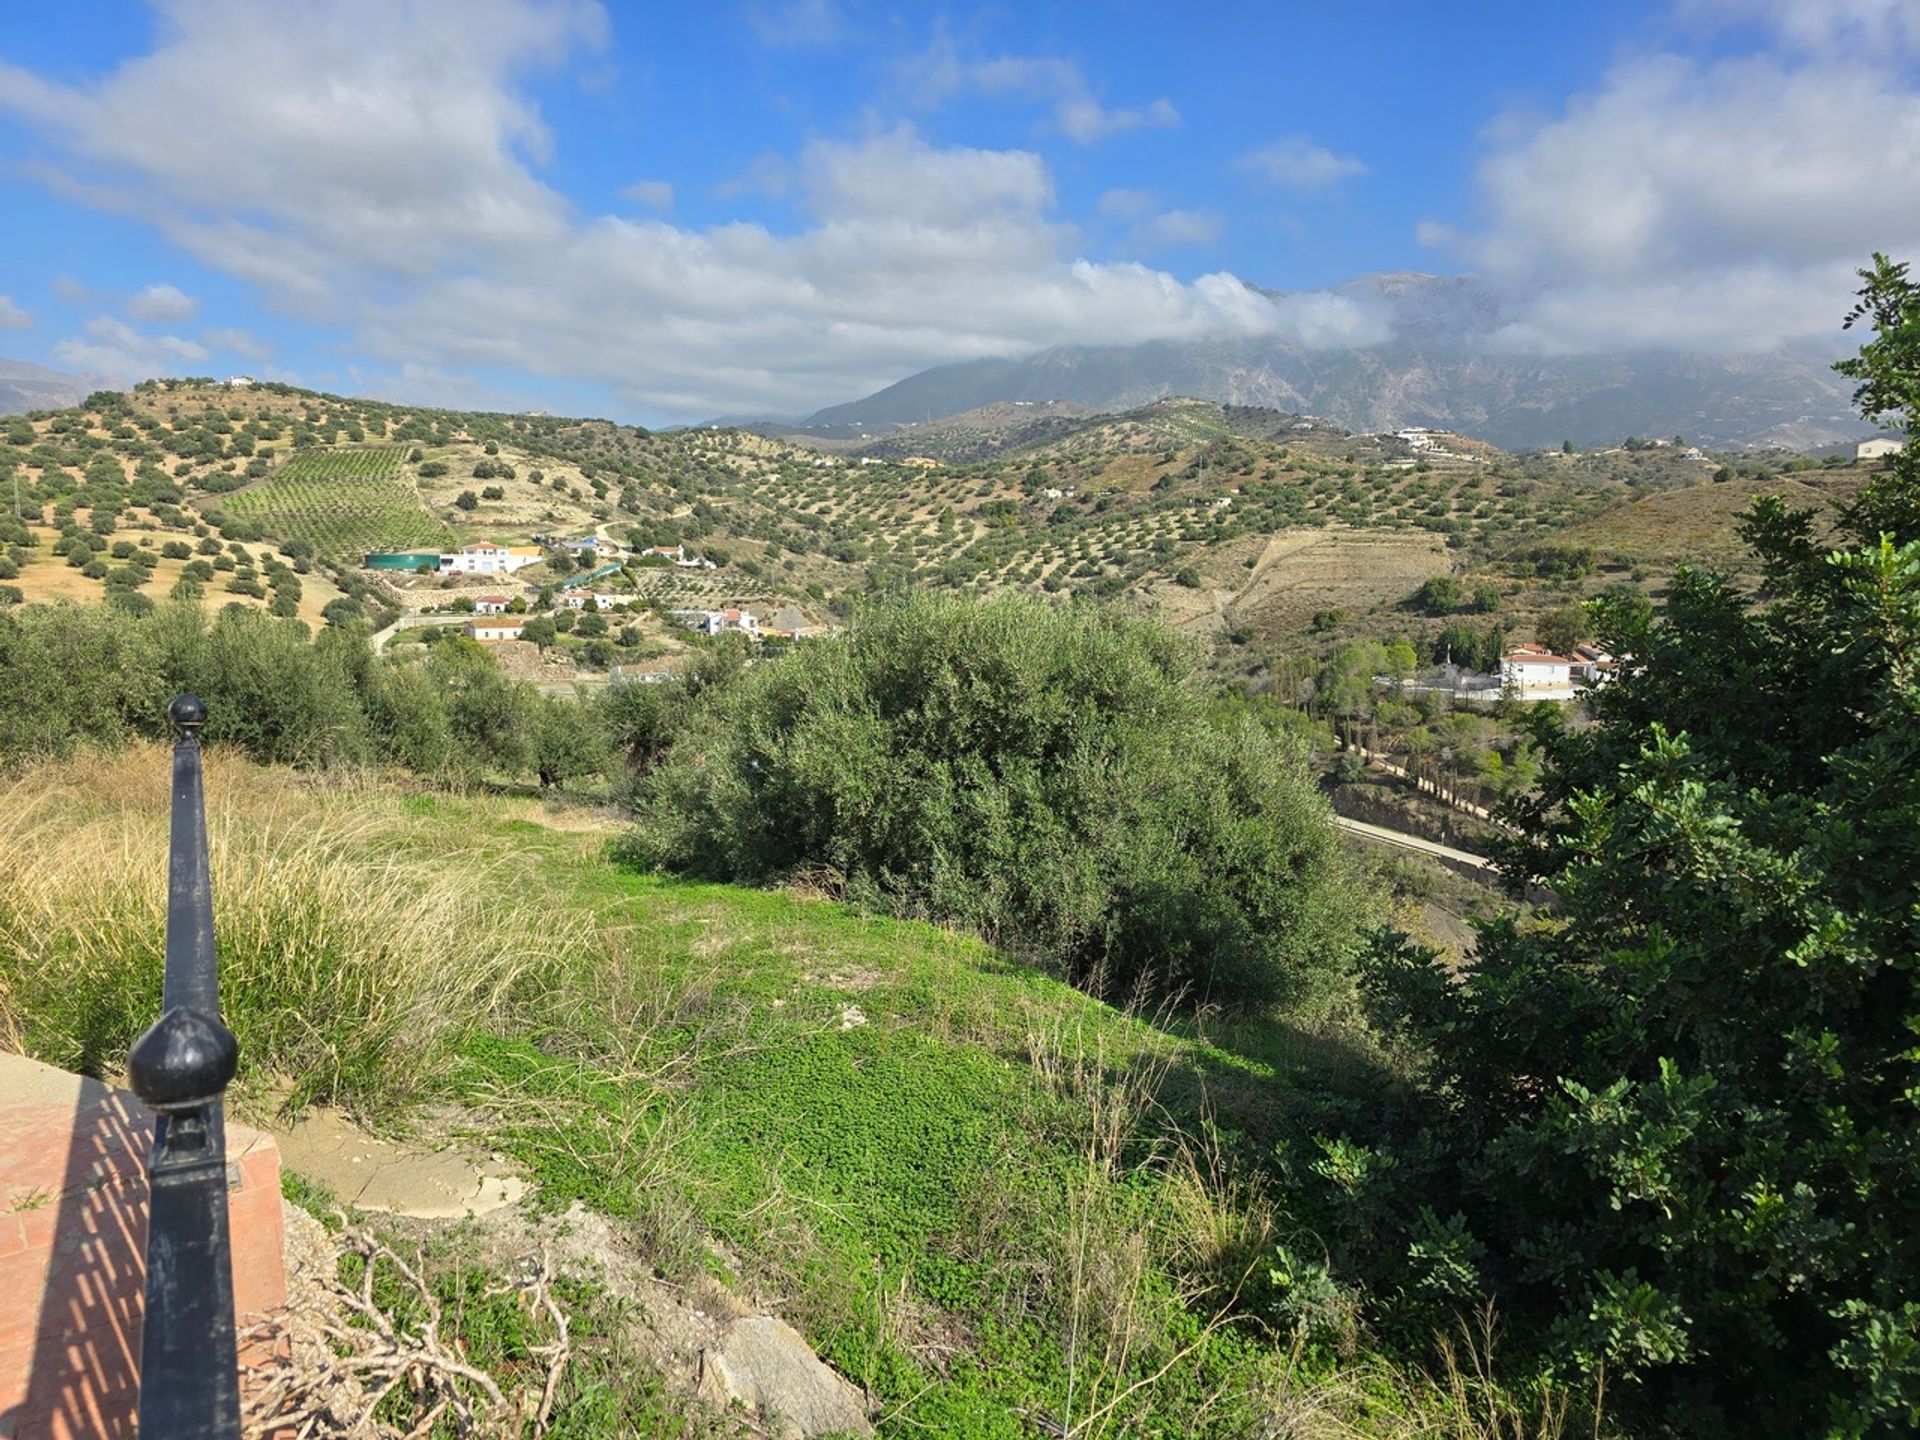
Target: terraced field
<point>344,502</point>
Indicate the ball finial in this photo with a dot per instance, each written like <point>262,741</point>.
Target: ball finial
<point>183,1062</point>
<point>189,712</point>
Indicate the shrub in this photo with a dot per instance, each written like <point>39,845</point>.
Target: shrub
<point>1051,778</point>
<point>1681,1118</point>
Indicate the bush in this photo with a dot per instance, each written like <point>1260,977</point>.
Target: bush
<point>1051,778</point>
<point>1441,595</point>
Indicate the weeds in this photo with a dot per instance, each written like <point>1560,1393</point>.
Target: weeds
<point>347,964</point>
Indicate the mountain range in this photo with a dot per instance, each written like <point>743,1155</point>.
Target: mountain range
<point>25,387</point>
<point>1442,366</point>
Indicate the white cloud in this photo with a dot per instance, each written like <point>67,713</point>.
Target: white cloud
<point>1298,163</point>
<point>1432,234</point>
<point>797,23</point>
<point>391,191</point>
<point>72,290</point>
<point>1856,27</point>
<point>654,194</point>
<point>162,305</point>
<point>238,342</point>
<point>1181,227</point>
<point>116,350</point>
<point>1124,204</point>
<point>1685,203</point>
<point>942,74</point>
<point>12,317</point>
<point>1087,121</point>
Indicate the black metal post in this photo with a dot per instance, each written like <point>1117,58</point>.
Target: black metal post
<point>189,1364</point>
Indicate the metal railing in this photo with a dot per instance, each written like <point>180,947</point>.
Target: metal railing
<point>189,1365</point>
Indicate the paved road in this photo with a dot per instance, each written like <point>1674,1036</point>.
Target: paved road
<point>1413,842</point>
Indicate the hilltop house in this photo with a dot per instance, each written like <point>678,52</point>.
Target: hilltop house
<point>239,382</point>
<point>1878,448</point>
<point>1533,672</point>
<point>494,629</point>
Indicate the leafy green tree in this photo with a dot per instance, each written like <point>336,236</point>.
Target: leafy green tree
<point>487,713</point>
<point>566,742</point>
<point>1562,628</point>
<point>1675,1134</point>
<point>1441,595</point>
<point>540,630</point>
<point>467,500</point>
<point>1049,776</point>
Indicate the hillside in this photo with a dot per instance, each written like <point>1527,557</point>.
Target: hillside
<point>1237,523</point>
<point>1442,367</point>
<point>981,1195</point>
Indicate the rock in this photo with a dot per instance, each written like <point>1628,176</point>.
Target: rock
<point>763,1364</point>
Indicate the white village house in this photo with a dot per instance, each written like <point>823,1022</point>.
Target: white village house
<point>490,605</point>
<point>495,628</point>
<point>486,558</point>
<point>716,622</point>
<point>1533,672</point>
<point>1878,448</point>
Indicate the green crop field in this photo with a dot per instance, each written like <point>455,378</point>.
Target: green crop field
<point>345,502</point>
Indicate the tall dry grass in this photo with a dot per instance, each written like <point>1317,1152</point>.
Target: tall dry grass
<point>349,961</point>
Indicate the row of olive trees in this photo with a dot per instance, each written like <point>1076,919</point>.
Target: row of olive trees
<point>71,675</point>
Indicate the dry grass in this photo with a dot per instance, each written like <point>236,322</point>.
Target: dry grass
<point>349,960</point>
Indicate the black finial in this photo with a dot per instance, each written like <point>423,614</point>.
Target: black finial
<point>189,712</point>
<point>184,1061</point>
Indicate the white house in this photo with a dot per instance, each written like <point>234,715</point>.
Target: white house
<point>1533,672</point>
<point>239,382</point>
<point>486,558</point>
<point>1878,448</point>
<point>490,605</point>
<point>577,599</point>
<point>1594,665</point>
<point>494,629</point>
<point>716,622</point>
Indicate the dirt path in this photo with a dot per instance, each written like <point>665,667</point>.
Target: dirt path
<point>1412,842</point>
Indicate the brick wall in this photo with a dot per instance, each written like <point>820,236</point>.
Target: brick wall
<point>73,1224</point>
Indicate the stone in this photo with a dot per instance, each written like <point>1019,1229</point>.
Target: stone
<point>765,1365</point>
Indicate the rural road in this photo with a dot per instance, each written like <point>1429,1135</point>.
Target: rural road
<point>1413,842</point>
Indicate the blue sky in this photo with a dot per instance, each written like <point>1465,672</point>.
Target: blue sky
<point>661,213</point>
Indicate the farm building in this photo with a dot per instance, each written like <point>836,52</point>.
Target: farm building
<point>485,558</point>
<point>1878,448</point>
<point>715,622</point>
<point>1533,672</point>
<point>494,629</point>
